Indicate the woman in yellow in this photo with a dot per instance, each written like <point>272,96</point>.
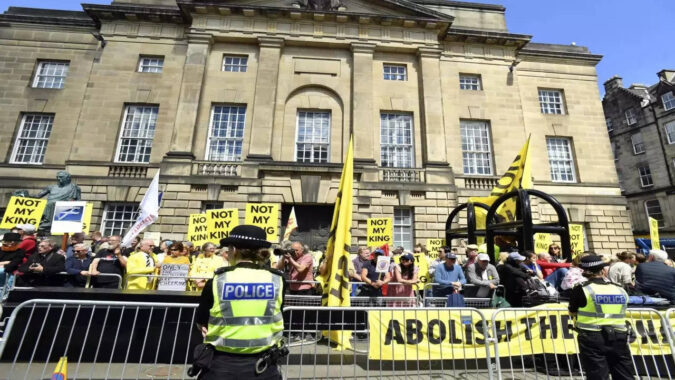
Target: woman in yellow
<point>205,264</point>
<point>176,255</point>
<point>141,262</point>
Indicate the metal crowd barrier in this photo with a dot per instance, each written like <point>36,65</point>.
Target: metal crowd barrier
<point>110,340</point>
<point>91,277</point>
<point>542,341</point>
<point>159,277</point>
<point>384,343</point>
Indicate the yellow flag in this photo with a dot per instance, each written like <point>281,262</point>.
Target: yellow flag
<point>336,288</point>
<point>61,370</point>
<point>291,225</point>
<point>518,176</point>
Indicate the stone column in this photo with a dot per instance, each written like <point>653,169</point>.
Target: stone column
<point>433,130</point>
<point>260,145</point>
<point>362,104</point>
<point>199,46</point>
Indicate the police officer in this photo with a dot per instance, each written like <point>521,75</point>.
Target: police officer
<point>599,308</point>
<point>240,312</point>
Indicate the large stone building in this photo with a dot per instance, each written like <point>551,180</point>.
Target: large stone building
<point>641,125</point>
<point>242,101</point>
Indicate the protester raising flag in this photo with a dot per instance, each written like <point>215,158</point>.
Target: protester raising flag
<point>61,370</point>
<point>336,287</point>
<point>149,211</point>
<point>291,225</point>
<point>518,176</point>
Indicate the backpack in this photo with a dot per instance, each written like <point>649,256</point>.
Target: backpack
<point>456,300</point>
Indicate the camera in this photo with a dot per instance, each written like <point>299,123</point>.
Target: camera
<point>281,251</point>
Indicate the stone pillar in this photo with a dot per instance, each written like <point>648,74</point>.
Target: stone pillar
<point>198,49</point>
<point>433,130</point>
<point>260,145</point>
<point>362,104</point>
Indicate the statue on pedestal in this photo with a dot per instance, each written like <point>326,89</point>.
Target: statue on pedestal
<point>63,191</point>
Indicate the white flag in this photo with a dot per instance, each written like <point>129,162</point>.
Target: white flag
<point>149,211</point>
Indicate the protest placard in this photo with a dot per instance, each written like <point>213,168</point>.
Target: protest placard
<point>654,233</point>
<point>265,216</point>
<point>178,277</point>
<point>22,210</point>
<point>68,217</point>
<point>433,245</point>
<point>198,229</point>
<point>382,265</point>
<point>541,242</point>
<point>577,238</point>
<point>380,231</point>
<point>220,223</point>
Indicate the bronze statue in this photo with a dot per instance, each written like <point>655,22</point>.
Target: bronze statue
<point>321,5</point>
<point>63,191</point>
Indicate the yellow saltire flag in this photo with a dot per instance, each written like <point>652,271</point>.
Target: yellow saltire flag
<point>291,225</point>
<point>518,176</point>
<point>336,287</point>
<point>61,370</point>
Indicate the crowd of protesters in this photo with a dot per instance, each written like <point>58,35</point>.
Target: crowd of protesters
<point>104,263</point>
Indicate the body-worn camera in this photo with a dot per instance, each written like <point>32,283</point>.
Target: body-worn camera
<point>281,251</point>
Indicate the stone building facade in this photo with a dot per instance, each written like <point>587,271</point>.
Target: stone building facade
<point>641,126</point>
<point>253,101</point>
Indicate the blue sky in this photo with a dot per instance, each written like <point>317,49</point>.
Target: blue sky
<point>633,36</point>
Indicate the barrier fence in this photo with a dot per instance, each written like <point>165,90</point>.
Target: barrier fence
<point>130,340</point>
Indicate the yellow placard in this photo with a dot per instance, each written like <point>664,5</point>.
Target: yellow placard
<point>434,244</point>
<point>220,223</point>
<point>198,229</point>
<point>446,334</point>
<point>21,210</point>
<point>576,238</point>
<point>265,216</point>
<point>422,263</point>
<point>380,231</point>
<point>654,233</point>
<point>86,221</point>
<point>542,241</point>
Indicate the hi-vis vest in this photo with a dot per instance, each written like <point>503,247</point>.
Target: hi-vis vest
<point>605,306</point>
<point>246,316</point>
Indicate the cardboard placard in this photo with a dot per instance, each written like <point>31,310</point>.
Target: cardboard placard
<point>382,265</point>
<point>68,217</point>
<point>21,210</point>
<point>576,238</point>
<point>198,230</point>
<point>220,223</point>
<point>174,283</point>
<point>380,231</point>
<point>654,233</point>
<point>542,241</point>
<point>265,216</point>
<point>433,245</point>
<point>86,222</point>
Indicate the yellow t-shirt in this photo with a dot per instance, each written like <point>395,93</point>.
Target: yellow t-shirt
<point>205,266</point>
<point>176,261</point>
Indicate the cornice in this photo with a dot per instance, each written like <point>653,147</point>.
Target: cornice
<point>100,13</point>
<point>543,52</point>
<point>487,37</point>
<point>362,48</point>
<point>271,42</point>
<point>48,17</point>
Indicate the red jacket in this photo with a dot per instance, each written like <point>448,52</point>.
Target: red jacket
<point>28,244</point>
<point>548,268</point>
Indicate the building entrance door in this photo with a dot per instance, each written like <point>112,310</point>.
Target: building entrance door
<point>313,224</point>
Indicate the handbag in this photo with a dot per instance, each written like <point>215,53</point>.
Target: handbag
<point>456,300</point>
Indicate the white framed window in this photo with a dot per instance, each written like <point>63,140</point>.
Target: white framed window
<point>645,176</point>
<point>51,74</point>
<point>226,133</point>
<point>668,101</point>
<point>403,227</point>
<point>206,206</point>
<point>396,139</point>
<point>470,82</point>
<point>32,139</point>
<point>312,142</point>
<point>551,102</point>
<point>630,116</point>
<point>476,150</point>
<point>395,72</point>
<point>670,131</point>
<point>235,63</point>
<point>118,218</point>
<point>138,131</point>
<point>561,159</point>
<point>638,145</point>
<point>653,210</point>
<point>610,124</point>
<point>150,64</point>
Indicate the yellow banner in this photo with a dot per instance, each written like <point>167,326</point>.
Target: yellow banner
<point>576,239</point>
<point>198,230</point>
<point>380,231</point>
<point>447,334</point>
<point>541,242</point>
<point>220,222</point>
<point>22,210</point>
<point>434,244</point>
<point>265,216</point>
<point>654,233</point>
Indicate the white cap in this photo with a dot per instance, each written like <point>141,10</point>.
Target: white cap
<point>27,228</point>
<point>483,257</point>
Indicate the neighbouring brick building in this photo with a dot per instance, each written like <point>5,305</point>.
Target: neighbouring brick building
<point>641,125</point>
<point>252,101</point>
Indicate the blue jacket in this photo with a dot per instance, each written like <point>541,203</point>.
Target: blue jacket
<point>656,277</point>
<point>74,266</point>
<point>445,276</point>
